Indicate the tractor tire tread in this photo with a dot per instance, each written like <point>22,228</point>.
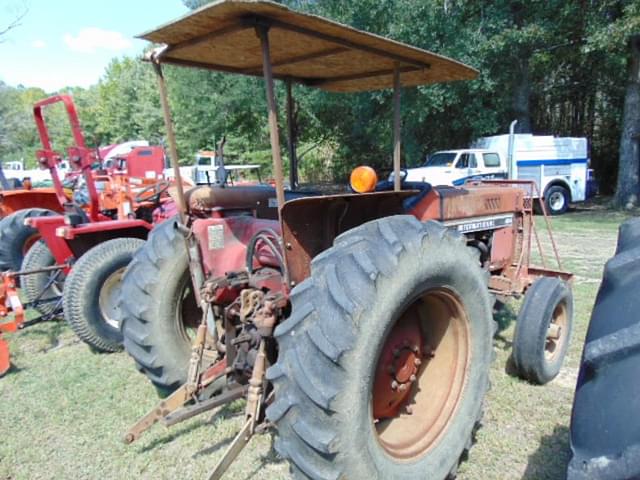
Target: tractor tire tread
<point>364,254</point>
<point>603,439</point>
<point>13,233</point>
<point>75,296</point>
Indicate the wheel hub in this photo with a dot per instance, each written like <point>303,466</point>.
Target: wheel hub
<point>109,297</point>
<point>420,374</point>
<point>397,369</point>
<point>556,201</point>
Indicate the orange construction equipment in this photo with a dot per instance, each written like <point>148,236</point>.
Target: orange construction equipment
<point>9,303</point>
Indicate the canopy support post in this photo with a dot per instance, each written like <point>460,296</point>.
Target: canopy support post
<point>292,133</point>
<point>263,33</point>
<point>396,128</point>
<point>171,138</point>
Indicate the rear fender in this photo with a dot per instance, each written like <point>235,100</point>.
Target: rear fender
<point>47,227</point>
<point>79,239</point>
<point>310,225</point>
<point>14,200</point>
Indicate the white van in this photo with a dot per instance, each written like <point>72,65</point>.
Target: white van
<point>559,166</point>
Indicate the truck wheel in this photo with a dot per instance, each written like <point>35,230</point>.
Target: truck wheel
<point>16,238</point>
<point>383,364</point>
<point>46,288</point>
<point>543,330</point>
<point>90,299</point>
<point>605,433</point>
<point>158,310</point>
<point>556,200</point>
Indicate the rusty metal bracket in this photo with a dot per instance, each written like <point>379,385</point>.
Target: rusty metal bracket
<point>252,411</point>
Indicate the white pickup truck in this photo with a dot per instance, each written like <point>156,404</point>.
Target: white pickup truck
<point>559,166</point>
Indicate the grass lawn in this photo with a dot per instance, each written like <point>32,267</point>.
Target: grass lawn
<point>63,409</point>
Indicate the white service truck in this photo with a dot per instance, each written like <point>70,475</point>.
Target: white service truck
<point>559,166</point>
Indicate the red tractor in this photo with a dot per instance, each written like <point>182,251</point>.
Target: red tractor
<point>359,325</point>
<point>107,216</point>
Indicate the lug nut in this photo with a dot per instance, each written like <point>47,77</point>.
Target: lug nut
<point>415,349</point>
<point>394,385</point>
<point>402,387</point>
<point>408,409</point>
<point>412,378</point>
<point>417,362</point>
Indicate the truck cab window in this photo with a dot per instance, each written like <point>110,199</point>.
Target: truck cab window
<point>463,161</point>
<point>491,160</point>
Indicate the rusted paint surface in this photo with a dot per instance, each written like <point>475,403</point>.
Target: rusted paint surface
<point>223,243</point>
<point>310,225</point>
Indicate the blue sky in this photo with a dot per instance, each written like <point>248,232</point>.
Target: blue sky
<point>70,42</point>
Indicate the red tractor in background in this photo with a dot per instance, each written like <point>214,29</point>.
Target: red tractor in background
<point>108,214</point>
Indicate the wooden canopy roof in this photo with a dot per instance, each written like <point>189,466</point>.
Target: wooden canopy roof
<point>304,48</point>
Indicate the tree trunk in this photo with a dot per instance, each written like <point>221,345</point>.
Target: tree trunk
<point>628,187</point>
<point>522,96</point>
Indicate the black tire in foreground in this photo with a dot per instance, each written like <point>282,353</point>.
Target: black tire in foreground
<point>383,364</point>
<point>158,309</point>
<point>45,288</point>
<point>556,200</point>
<point>16,238</point>
<point>92,292</point>
<point>605,431</point>
<point>543,330</point>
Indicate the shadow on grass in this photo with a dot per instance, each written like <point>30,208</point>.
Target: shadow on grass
<point>171,435</point>
<point>48,332</point>
<point>13,369</point>
<point>550,460</point>
<point>230,410</point>
<point>270,458</point>
<point>504,315</point>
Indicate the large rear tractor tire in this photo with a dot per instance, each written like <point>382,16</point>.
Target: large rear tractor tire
<point>92,292</point>
<point>16,238</point>
<point>543,330</point>
<point>383,364</point>
<point>158,310</point>
<point>45,288</point>
<point>605,431</point>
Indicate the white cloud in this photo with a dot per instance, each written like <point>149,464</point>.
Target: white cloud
<point>38,44</point>
<point>91,39</point>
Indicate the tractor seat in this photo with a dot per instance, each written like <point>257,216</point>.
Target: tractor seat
<point>261,198</point>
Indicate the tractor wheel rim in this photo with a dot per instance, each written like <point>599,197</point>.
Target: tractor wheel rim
<point>556,333</point>
<point>185,326</point>
<point>556,201</point>
<point>421,374</point>
<point>109,298</point>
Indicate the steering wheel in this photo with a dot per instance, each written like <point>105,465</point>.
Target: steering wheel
<point>157,188</point>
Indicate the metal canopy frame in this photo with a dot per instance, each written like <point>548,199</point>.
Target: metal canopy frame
<point>324,40</point>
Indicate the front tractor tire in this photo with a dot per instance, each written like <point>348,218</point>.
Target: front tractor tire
<point>16,238</point>
<point>543,330</point>
<point>383,364</point>
<point>158,310</point>
<point>92,291</point>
